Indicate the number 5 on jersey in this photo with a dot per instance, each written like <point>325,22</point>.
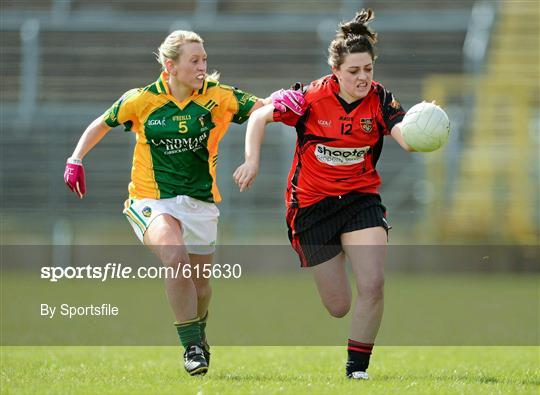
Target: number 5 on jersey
<point>182,127</point>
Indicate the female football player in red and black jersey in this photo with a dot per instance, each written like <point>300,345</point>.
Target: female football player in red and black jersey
<point>333,208</point>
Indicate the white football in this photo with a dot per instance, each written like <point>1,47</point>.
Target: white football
<point>425,127</point>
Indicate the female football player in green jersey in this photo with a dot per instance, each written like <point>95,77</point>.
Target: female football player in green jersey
<point>178,121</point>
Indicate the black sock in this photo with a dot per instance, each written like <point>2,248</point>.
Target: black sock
<point>358,356</point>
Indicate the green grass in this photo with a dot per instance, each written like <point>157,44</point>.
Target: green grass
<point>270,370</point>
<point>448,309</point>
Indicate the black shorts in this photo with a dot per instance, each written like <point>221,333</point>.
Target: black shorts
<point>315,231</point>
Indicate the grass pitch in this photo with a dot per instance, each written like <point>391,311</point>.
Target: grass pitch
<point>448,310</point>
<point>269,370</point>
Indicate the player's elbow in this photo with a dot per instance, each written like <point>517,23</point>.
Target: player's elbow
<point>262,115</point>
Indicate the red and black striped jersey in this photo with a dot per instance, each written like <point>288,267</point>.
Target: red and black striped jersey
<point>338,144</point>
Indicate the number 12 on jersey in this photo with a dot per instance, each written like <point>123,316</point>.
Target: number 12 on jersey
<point>346,128</point>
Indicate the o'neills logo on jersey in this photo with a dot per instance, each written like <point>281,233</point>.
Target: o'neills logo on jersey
<point>367,124</point>
<point>337,156</point>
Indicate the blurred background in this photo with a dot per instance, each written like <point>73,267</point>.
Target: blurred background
<point>64,62</point>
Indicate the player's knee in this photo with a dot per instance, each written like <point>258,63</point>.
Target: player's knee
<point>174,256</point>
<point>373,290</point>
<point>338,311</point>
<point>338,308</point>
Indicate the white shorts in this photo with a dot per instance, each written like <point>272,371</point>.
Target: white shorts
<point>199,219</point>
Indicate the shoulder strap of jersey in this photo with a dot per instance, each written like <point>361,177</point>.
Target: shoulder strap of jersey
<point>319,89</point>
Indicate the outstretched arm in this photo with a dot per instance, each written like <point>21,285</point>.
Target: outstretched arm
<point>74,172</point>
<point>91,136</point>
<point>245,174</point>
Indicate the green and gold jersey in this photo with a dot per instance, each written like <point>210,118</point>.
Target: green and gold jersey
<point>177,143</point>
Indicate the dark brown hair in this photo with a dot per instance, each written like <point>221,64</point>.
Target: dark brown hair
<point>353,37</point>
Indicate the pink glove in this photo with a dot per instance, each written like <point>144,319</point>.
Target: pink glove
<point>74,176</point>
<point>291,99</point>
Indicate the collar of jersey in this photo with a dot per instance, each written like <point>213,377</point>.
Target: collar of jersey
<point>334,84</point>
<point>163,88</point>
